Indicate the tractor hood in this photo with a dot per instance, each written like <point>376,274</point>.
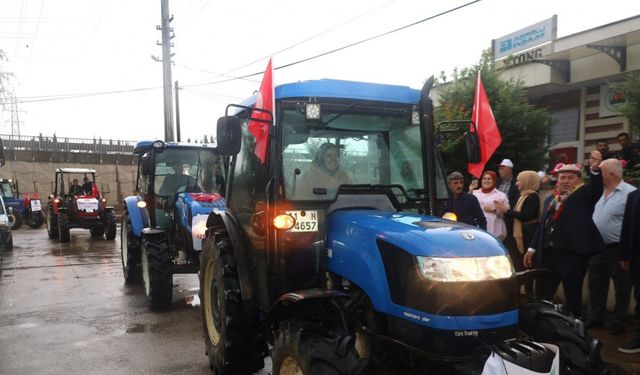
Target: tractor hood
<point>199,203</point>
<point>416,234</point>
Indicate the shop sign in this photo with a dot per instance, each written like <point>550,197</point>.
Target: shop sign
<point>529,37</point>
<point>611,101</point>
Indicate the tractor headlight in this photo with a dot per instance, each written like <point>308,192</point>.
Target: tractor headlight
<point>199,226</point>
<point>466,269</point>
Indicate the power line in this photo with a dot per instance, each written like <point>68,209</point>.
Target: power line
<point>310,38</point>
<point>362,41</point>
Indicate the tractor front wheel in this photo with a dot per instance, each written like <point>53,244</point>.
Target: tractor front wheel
<point>156,270</point>
<point>35,220</point>
<point>63,227</point>
<point>304,348</point>
<point>17,221</point>
<point>233,340</point>
<point>110,226</point>
<point>52,224</point>
<point>547,322</point>
<point>129,252</point>
<point>96,231</point>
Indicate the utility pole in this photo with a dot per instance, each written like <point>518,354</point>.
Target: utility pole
<point>166,67</point>
<point>177,114</point>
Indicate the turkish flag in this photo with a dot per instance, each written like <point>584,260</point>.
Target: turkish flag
<point>265,100</point>
<point>485,124</point>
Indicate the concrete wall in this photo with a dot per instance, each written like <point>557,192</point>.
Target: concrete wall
<point>35,171</point>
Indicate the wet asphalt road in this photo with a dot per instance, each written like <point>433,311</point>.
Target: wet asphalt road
<point>64,309</point>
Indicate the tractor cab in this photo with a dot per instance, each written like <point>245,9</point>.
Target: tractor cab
<point>330,153</point>
<point>171,175</point>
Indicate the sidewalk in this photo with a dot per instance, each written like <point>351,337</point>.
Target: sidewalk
<point>619,363</point>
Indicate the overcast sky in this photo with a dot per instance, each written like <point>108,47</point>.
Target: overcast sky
<point>82,48</point>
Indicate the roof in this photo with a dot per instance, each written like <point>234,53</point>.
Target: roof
<point>75,170</point>
<point>333,88</point>
<point>145,145</point>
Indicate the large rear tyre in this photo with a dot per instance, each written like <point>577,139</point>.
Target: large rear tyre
<point>233,341</point>
<point>129,253</point>
<point>156,270</point>
<point>303,348</point>
<point>52,225</point>
<point>110,226</point>
<point>35,221</point>
<point>96,231</point>
<point>64,231</point>
<point>547,322</point>
<point>17,222</point>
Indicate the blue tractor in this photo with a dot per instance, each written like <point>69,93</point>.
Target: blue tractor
<point>178,185</point>
<point>25,210</point>
<point>331,249</point>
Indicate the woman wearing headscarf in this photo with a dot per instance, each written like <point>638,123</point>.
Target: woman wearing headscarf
<point>488,196</point>
<point>324,172</point>
<point>525,215</point>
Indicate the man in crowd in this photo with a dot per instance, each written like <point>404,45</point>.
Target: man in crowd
<point>567,235</point>
<point>630,152</point>
<point>464,205</point>
<point>630,259</point>
<point>607,216</point>
<point>603,147</point>
<point>507,183</point>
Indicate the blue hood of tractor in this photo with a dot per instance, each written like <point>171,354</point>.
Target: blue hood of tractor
<point>416,234</point>
<point>357,239</point>
<point>189,205</point>
<point>16,203</point>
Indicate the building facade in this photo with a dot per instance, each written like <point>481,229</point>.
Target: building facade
<point>570,77</point>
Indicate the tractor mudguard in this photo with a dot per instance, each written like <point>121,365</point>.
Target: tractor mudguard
<point>286,302</point>
<point>138,216</point>
<point>224,219</point>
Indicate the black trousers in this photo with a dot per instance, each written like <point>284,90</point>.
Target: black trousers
<point>569,268</point>
<point>635,282</point>
<point>602,268</point>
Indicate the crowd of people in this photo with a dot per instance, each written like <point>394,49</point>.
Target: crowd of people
<point>589,224</point>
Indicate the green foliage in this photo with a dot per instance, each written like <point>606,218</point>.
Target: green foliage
<point>523,128</point>
<point>630,88</point>
<point>632,175</point>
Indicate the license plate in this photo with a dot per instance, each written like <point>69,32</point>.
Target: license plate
<point>306,221</point>
<point>36,206</point>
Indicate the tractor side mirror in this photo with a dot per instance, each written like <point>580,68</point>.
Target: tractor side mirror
<point>472,146</point>
<point>146,165</point>
<point>229,135</point>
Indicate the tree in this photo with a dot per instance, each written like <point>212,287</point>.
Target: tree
<point>524,129</point>
<point>630,89</point>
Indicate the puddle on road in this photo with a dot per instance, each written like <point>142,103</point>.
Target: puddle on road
<point>142,328</point>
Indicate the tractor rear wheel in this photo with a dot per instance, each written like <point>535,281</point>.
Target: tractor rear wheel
<point>547,322</point>
<point>304,348</point>
<point>156,270</point>
<point>110,226</point>
<point>233,340</point>
<point>52,225</point>
<point>35,220</point>
<point>17,222</point>
<point>96,231</point>
<point>129,252</point>
<point>63,227</point>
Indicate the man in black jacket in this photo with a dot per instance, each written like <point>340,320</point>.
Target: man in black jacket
<point>567,235</point>
<point>630,259</point>
<point>464,205</point>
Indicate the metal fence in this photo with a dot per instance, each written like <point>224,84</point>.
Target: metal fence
<point>59,144</point>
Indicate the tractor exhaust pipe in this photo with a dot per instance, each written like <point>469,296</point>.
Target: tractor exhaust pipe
<point>428,142</point>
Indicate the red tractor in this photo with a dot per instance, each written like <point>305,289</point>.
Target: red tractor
<point>78,205</point>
